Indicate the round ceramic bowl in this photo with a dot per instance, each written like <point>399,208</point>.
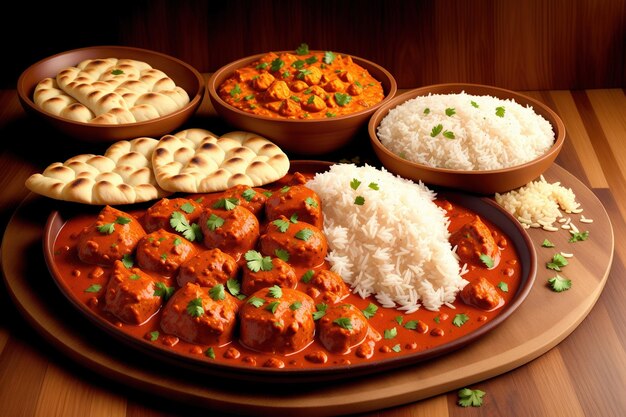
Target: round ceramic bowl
<point>304,137</point>
<point>183,75</point>
<point>480,182</point>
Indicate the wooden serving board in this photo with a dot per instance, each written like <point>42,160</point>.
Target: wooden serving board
<point>539,324</point>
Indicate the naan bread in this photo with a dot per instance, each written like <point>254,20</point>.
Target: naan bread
<point>110,91</point>
<point>123,175</point>
<point>197,161</point>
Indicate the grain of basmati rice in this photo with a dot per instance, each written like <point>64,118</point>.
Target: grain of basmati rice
<point>395,246</point>
<point>465,132</point>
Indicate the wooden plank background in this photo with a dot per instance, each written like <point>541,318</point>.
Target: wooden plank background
<point>520,45</point>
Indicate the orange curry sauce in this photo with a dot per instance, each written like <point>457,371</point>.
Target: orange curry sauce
<point>314,85</point>
<point>434,328</point>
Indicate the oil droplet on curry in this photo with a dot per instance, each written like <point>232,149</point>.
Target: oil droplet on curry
<point>311,85</point>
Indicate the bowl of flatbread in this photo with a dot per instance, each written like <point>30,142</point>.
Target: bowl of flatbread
<point>111,93</point>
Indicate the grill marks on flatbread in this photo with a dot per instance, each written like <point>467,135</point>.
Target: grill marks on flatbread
<point>197,161</point>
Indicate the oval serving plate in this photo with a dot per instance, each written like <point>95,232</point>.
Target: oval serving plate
<point>485,207</point>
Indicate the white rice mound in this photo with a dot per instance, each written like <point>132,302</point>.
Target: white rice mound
<point>482,140</point>
<point>537,203</point>
<point>395,245</point>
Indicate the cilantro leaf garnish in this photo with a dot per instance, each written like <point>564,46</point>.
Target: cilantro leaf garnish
<point>233,286</point>
<point>272,307</point>
<point>343,322</point>
<point>217,292</point>
<point>226,203</point>
<point>248,194</point>
<point>503,286</point>
<point>370,310</point>
<point>359,200</point>
<point>262,65</point>
<point>281,224</point>
<point>209,353</point>
<point>474,104</point>
<point>500,111</point>
<point>391,333</point>
<point>470,397</point>
<point>560,284</point>
<point>282,254</point>
<point>257,263</point>
<point>329,57</point>
<point>106,228</point>
<point>128,261</point>
<point>277,64</point>
<point>236,90</point>
<point>275,291</point>
<point>298,64</point>
<point>450,111</point>
<point>460,319</point>
<point>411,325</point>
<point>311,60</point>
<point>342,99</point>
<point>448,134</point>
<point>163,291</point>
<point>399,320</point>
<point>321,311</point>
<point>396,348</point>
<point>436,130</point>
<point>154,335</point>
<point>134,277</point>
<point>256,301</point>
<point>547,244</point>
<point>294,217</point>
<point>117,71</point>
<point>306,277</point>
<point>354,184</point>
<point>187,208</point>
<point>304,234</point>
<point>214,222</point>
<point>296,305</point>
<point>303,72</point>
<point>426,110</point>
<point>487,260</point>
<point>558,261</point>
<point>373,186</point>
<point>179,223</point>
<point>285,189</point>
<point>194,307</point>
<point>309,201</point>
<point>93,288</point>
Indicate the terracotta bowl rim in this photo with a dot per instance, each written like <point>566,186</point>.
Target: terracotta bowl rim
<point>212,88</point>
<point>558,127</point>
<point>194,100</point>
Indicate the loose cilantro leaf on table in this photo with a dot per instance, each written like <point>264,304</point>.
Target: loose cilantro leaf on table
<point>547,244</point>
<point>470,397</point>
<point>558,261</point>
<point>560,284</point>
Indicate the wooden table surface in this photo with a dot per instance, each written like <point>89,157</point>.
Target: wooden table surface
<point>584,375</point>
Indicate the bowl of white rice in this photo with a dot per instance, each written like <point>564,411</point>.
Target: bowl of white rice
<point>469,137</point>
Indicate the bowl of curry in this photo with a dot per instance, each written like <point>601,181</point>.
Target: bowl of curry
<point>266,305</point>
<point>307,102</point>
